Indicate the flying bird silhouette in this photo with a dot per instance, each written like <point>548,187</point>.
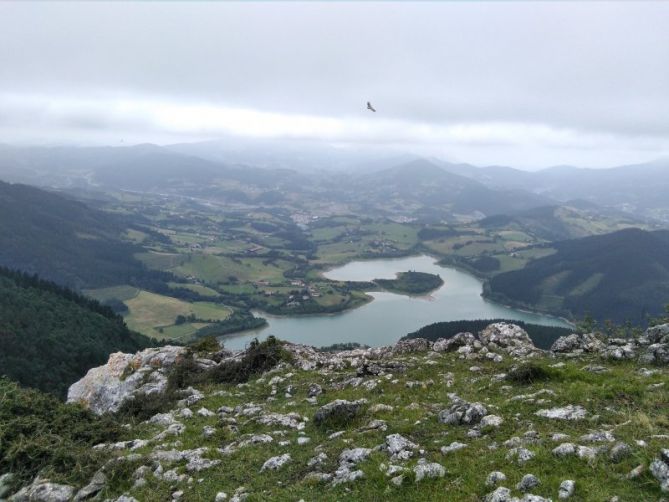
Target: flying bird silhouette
<point>370,107</point>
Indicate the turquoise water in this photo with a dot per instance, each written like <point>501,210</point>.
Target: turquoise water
<point>390,316</point>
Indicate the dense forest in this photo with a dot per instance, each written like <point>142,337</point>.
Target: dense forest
<point>619,276</point>
<point>51,336</point>
<point>542,336</point>
<point>66,241</point>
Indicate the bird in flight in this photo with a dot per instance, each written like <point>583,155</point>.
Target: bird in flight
<point>370,107</point>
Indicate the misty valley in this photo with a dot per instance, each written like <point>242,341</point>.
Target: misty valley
<point>361,251</point>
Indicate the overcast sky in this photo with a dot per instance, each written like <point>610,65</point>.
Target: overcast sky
<point>523,84</point>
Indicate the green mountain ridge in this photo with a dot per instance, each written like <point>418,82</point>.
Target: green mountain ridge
<point>64,240</point>
<point>618,276</point>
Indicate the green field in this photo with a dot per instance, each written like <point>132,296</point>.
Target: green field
<point>150,312</point>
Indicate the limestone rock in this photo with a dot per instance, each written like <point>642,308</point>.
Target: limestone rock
<point>426,469</point>
<point>275,463</point>
<point>339,409</point>
<point>510,338</point>
<point>41,490</point>
<point>462,412</point>
<point>105,388</point>
<point>566,489</point>
<point>577,343</point>
<point>570,412</point>
<point>660,469</point>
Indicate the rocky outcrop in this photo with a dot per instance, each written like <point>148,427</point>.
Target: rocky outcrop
<point>578,343</point>
<point>462,413</point>
<point>338,411</point>
<point>42,490</point>
<point>105,388</point>
<point>510,338</point>
<point>652,347</point>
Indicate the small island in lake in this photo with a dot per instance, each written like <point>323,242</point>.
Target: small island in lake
<point>411,283</point>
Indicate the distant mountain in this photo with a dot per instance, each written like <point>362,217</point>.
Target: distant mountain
<point>619,276</point>
<point>144,167</point>
<point>64,240</point>
<point>50,336</point>
<point>638,189</point>
<point>556,223</point>
<point>299,155</point>
<point>423,183</point>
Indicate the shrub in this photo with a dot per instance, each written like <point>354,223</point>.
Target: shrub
<point>528,374</point>
<point>258,358</point>
<point>40,434</point>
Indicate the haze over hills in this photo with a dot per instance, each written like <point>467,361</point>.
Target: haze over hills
<point>638,189</point>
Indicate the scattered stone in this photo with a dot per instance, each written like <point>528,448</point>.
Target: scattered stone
<point>566,489</point>
<point>208,431</point>
<point>571,412</point>
<point>275,463</point>
<point>454,446</point>
<point>500,494</point>
<point>462,412</point>
<point>339,410</point>
<point>292,420</point>
<point>314,390</point>
<point>424,470</point>
<point>528,482</point>
<point>660,469</point>
<point>221,496</point>
<point>521,455</point>
<point>399,447</point>
<point>492,421</point>
<point>586,452</point>
<point>379,408</point>
<point>598,437</point>
<point>319,459</point>
<point>354,456</point>
<point>565,449</point>
<point>204,412</point>
<point>495,478</point>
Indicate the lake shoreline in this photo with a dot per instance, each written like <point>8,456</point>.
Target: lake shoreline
<point>388,315</point>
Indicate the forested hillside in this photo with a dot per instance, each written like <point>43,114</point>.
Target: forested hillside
<point>51,336</point>
<point>619,276</point>
<point>65,241</point>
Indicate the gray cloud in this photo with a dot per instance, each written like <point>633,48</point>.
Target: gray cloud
<point>546,79</point>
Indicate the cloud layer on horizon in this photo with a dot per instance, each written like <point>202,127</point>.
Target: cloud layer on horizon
<point>523,84</point>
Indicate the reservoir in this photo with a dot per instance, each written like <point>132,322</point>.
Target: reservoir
<point>390,316</point>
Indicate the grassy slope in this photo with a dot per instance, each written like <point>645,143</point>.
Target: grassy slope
<point>620,399</point>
